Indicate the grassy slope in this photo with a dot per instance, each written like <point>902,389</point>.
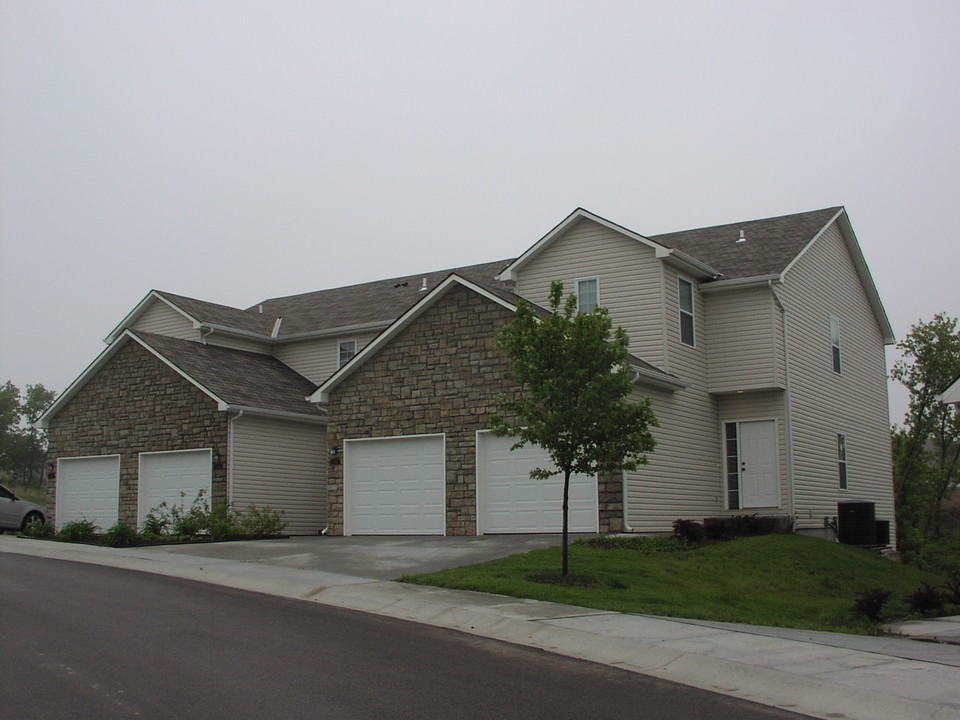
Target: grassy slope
<point>778,580</point>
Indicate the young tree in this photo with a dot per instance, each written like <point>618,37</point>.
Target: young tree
<point>575,377</point>
<point>927,453</point>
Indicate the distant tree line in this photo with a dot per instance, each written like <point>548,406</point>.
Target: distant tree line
<point>23,444</point>
<point>926,450</point>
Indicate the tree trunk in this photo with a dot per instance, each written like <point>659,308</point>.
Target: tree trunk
<point>566,506</point>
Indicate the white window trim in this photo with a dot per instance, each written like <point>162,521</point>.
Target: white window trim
<point>681,311</point>
<point>576,288</point>
<point>340,361</point>
<point>836,346</point>
<point>843,462</point>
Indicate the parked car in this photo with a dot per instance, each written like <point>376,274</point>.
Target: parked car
<point>17,514</point>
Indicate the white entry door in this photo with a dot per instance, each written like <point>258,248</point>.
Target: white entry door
<point>759,485</point>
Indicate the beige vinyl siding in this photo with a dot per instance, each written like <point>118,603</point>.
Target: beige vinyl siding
<point>750,406</point>
<point>629,274</point>
<point>683,477</point>
<point>744,330</point>
<point>318,359</point>
<point>162,319</point>
<point>237,343</point>
<point>282,465</point>
<point>824,283</point>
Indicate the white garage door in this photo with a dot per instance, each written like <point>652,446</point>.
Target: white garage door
<point>88,488</point>
<point>394,486</point>
<point>509,501</point>
<point>173,477</point>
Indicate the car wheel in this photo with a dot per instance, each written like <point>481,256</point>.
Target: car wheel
<point>30,520</point>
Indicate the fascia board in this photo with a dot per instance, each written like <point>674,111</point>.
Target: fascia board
<point>101,360</point>
<point>278,414</point>
<point>510,272</point>
<point>227,330</point>
<point>322,394</point>
<point>642,376</point>
<point>221,404</point>
<point>952,394</point>
<point>688,263</point>
<point>82,379</point>
<point>141,308</point>
<point>740,283</point>
<point>860,263</point>
<point>333,332</point>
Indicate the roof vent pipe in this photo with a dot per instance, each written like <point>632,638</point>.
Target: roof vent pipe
<point>423,287</point>
<point>741,238</point>
<point>260,309</point>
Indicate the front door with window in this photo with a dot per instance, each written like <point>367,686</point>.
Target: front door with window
<point>752,460</point>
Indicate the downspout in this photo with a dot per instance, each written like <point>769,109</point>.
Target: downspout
<point>205,335</point>
<point>788,410</point>
<point>623,491</point>
<point>231,441</point>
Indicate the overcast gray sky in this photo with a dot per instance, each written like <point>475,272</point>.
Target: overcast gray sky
<point>237,150</point>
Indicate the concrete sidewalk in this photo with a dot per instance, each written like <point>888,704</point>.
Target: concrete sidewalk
<point>824,675</point>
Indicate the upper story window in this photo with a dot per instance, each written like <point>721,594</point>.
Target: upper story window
<point>687,324</point>
<point>347,349</point>
<point>588,294</point>
<point>842,460</point>
<point>835,342</point>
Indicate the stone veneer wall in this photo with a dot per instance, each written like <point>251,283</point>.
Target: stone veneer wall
<point>136,404</point>
<point>440,374</point>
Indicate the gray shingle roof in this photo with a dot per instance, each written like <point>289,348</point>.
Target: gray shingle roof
<point>213,314</point>
<point>770,244</point>
<point>381,301</point>
<point>238,377</point>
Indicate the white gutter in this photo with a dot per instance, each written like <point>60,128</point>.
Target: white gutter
<point>788,410</point>
<point>740,283</point>
<point>278,414</point>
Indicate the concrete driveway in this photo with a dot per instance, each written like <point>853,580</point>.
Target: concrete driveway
<point>376,558</point>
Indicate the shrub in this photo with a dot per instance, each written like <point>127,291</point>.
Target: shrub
<point>728,528</point>
<point>689,531</point>
<point>41,530</point>
<point>223,522</point>
<point>121,535</point>
<point>261,522</point>
<point>191,522</point>
<point>870,603</point>
<point>925,600</point>
<point>951,590</point>
<point>78,531</point>
<point>157,522</point>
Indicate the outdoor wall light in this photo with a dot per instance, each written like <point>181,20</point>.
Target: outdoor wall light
<point>334,455</point>
<point>51,470</point>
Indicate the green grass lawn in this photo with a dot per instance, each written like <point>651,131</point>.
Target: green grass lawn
<point>776,580</point>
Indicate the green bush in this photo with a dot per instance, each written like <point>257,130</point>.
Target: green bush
<point>121,535</point>
<point>78,531</point>
<point>261,522</point>
<point>926,600</point>
<point>689,531</point>
<point>42,531</point>
<point>157,522</point>
<point>870,603</point>
<point>223,522</point>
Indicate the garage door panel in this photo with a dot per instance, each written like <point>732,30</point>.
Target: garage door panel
<point>176,477</point>
<point>88,488</point>
<point>395,486</point>
<point>510,501</point>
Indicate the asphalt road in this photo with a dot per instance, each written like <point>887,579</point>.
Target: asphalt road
<point>84,641</point>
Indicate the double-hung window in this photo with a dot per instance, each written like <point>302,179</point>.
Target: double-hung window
<point>687,325</point>
<point>588,294</point>
<point>346,350</point>
<point>842,460</point>
<point>835,343</point>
